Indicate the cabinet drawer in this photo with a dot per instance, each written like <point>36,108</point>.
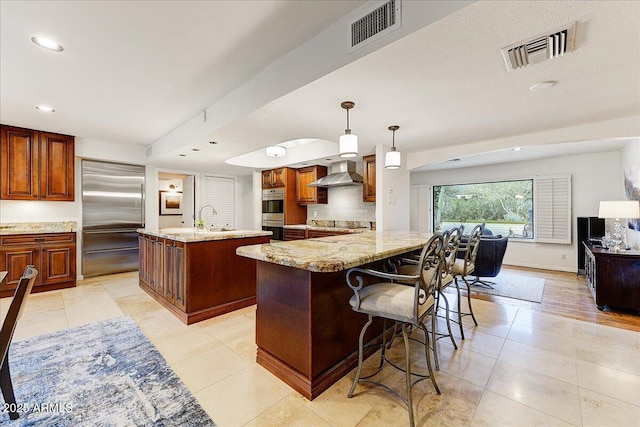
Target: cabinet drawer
<point>292,234</point>
<point>318,233</point>
<point>29,239</point>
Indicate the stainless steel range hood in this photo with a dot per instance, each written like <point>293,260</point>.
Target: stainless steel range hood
<point>342,173</point>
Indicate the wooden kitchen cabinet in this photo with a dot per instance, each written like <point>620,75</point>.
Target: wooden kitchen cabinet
<point>369,178</point>
<point>175,277</point>
<point>274,178</point>
<point>36,165</point>
<point>322,233</point>
<point>294,234</point>
<point>53,255</point>
<point>310,195</point>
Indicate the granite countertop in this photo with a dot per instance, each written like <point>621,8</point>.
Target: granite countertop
<point>336,253</point>
<point>37,227</point>
<point>190,235</point>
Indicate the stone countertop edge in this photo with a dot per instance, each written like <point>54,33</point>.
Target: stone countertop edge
<point>203,236</point>
<point>336,253</point>
<point>11,228</point>
<point>319,228</point>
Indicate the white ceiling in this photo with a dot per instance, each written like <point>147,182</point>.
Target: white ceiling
<point>135,71</point>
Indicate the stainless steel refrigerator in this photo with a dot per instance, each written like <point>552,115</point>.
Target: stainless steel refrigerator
<point>112,210</point>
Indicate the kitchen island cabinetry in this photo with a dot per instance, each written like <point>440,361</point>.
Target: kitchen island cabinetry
<point>52,254</point>
<point>196,274</point>
<point>36,165</point>
<point>306,332</point>
<point>369,178</point>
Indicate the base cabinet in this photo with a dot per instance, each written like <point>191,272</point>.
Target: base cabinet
<point>53,255</point>
<point>198,280</point>
<point>613,277</point>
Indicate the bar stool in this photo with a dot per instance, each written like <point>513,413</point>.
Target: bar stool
<point>464,267</point>
<point>409,305</point>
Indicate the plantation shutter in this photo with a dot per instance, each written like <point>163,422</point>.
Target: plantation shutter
<point>419,208</point>
<point>219,193</point>
<point>552,216</point>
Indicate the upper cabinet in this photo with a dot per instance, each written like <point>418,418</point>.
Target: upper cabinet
<point>310,195</point>
<point>274,178</point>
<point>36,165</point>
<point>369,178</point>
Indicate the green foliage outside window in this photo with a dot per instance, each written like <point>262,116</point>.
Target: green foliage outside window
<point>506,207</point>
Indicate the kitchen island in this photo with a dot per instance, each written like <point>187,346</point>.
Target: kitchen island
<point>306,332</point>
<point>196,274</point>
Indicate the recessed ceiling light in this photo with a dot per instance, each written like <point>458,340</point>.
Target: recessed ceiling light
<point>182,155</point>
<point>212,142</point>
<point>195,149</point>
<point>454,160</point>
<point>47,44</point>
<point>539,87</point>
<point>45,108</point>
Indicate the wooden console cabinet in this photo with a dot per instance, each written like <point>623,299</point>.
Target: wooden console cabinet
<point>52,254</point>
<point>613,277</point>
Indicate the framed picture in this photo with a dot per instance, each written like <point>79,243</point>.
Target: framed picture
<point>170,202</point>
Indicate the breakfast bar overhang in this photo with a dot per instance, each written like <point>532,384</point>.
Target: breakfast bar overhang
<point>306,332</point>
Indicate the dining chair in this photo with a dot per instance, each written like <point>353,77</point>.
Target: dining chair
<point>465,266</point>
<point>408,305</point>
<point>6,334</point>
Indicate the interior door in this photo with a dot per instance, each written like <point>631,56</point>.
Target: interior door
<point>188,201</point>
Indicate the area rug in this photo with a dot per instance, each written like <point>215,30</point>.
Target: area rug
<point>515,286</point>
<point>101,374</point>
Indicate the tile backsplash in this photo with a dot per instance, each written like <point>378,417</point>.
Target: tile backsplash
<point>345,204</point>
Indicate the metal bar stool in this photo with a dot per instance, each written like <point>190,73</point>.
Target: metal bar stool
<point>409,305</point>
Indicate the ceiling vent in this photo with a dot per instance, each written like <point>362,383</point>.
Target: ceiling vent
<point>148,151</point>
<point>540,48</point>
<point>386,17</point>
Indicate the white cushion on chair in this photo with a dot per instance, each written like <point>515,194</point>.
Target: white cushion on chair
<point>458,268</point>
<point>410,270</point>
<point>391,300</point>
<point>446,281</point>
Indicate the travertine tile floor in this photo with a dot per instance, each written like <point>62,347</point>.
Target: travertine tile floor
<point>518,368</point>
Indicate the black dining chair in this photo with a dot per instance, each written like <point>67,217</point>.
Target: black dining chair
<point>6,334</point>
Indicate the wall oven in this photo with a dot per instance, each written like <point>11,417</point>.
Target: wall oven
<point>273,212</point>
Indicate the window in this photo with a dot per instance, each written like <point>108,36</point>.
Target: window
<point>219,192</point>
<point>506,207</point>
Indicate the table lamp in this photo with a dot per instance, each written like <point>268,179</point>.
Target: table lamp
<point>617,210</point>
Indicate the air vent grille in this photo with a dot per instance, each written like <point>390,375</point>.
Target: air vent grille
<point>539,48</point>
<point>381,20</point>
<point>149,151</point>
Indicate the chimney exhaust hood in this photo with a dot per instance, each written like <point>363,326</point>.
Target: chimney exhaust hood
<point>342,173</point>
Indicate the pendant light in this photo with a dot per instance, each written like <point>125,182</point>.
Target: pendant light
<point>348,141</point>
<point>392,158</point>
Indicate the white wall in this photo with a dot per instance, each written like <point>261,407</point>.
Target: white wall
<point>245,203</point>
<point>393,191</point>
<point>595,177</point>
<point>630,158</point>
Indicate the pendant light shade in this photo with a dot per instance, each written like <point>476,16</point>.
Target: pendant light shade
<point>275,151</point>
<point>348,141</point>
<point>392,159</point>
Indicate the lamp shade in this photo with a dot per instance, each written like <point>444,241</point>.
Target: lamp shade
<point>619,209</point>
<point>348,145</point>
<point>276,151</point>
<point>392,160</point>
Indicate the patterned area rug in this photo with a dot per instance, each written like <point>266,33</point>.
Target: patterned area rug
<point>102,374</point>
<point>515,286</point>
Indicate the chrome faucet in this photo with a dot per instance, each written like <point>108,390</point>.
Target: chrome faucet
<point>200,220</point>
